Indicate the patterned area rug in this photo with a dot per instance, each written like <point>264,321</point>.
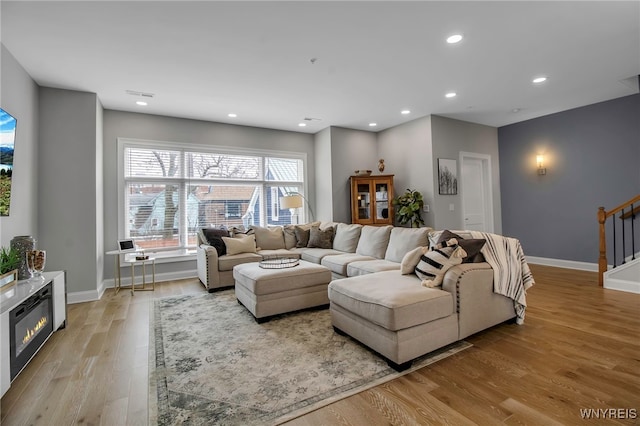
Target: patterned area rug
<point>215,365</point>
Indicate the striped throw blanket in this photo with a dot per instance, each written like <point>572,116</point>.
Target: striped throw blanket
<point>511,274</point>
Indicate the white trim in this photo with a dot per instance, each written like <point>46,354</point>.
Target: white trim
<point>622,285</point>
<point>95,295</point>
<point>561,263</point>
<point>488,187</point>
<point>612,282</point>
<point>83,296</point>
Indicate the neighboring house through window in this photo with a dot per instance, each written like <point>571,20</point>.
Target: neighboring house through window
<point>169,191</point>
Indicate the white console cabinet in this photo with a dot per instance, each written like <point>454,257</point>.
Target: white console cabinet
<point>14,296</point>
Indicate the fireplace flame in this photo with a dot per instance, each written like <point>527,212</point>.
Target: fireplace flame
<point>34,330</point>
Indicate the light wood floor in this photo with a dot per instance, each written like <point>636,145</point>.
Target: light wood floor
<point>578,349</point>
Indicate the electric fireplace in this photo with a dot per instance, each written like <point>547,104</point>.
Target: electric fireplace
<point>30,325</point>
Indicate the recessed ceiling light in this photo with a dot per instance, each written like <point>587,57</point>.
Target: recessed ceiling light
<point>232,115</point>
<point>451,95</point>
<point>515,110</point>
<point>539,80</point>
<point>405,112</point>
<point>302,124</point>
<point>141,103</point>
<point>373,124</point>
<point>456,38</point>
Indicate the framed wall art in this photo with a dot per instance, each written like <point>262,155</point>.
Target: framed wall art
<point>447,176</point>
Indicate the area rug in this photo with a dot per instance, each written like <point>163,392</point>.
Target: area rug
<point>215,365</point>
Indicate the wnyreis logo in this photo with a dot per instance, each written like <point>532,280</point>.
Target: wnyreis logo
<point>608,413</point>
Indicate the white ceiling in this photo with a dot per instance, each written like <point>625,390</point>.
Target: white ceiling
<point>203,60</point>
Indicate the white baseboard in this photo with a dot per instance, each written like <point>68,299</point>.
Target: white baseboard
<point>83,296</point>
<point>560,263</point>
<point>93,295</point>
<point>622,285</point>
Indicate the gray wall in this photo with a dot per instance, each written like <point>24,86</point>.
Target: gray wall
<point>592,158</point>
<point>19,97</point>
<point>68,187</point>
<point>351,150</point>
<point>449,138</point>
<point>407,153</point>
<point>324,180</point>
<point>159,128</point>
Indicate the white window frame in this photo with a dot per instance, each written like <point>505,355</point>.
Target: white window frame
<point>123,143</point>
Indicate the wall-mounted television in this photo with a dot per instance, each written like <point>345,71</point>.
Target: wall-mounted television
<point>7,144</point>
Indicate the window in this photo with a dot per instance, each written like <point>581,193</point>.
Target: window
<point>170,192</point>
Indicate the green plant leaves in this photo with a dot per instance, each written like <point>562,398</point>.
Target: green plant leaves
<point>9,259</point>
<point>410,203</point>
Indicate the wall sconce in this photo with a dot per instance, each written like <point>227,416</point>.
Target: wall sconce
<point>540,160</point>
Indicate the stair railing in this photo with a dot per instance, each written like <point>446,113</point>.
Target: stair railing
<point>627,211</point>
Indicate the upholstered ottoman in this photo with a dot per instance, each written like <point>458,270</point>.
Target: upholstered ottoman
<point>268,292</point>
<point>393,315</point>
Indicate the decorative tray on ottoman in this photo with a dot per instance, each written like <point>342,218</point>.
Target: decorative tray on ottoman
<point>279,263</point>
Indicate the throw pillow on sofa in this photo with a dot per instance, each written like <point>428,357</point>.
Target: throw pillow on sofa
<point>471,245</point>
<point>373,241</point>
<point>403,240</point>
<point>320,238</point>
<point>411,260</point>
<point>290,240</point>
<point>213,237</point>
<point>269,238</point>
<point>347,236</point>
<point>302,233</point>
<point>240,245</point>
<point>437,261</point>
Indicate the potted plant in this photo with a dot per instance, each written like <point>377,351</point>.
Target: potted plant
<point>410,206</point>
<point>9,263</point>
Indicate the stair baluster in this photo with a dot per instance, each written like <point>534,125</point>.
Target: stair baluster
<point>602,218</point>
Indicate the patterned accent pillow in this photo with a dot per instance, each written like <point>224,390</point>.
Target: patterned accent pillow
<point>436,262</point>
<point>321,238</point>
<point>470,245</point>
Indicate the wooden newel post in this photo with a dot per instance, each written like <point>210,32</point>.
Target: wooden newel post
<point>602,259</point>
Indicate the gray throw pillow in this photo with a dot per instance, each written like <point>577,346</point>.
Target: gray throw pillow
<point>321,238</point>
<point>302,235</point>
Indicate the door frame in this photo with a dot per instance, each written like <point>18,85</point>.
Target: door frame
<point>485,160</point>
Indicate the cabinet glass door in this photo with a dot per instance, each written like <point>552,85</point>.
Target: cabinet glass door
<point>364,202</point>
<point>382,201</point>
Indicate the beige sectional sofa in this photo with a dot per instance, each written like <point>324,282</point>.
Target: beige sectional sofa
<point>356,250</point>
<point>370,298</point>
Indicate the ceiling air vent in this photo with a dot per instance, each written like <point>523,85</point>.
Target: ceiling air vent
<point>141,94</point>
<point>312,119</point>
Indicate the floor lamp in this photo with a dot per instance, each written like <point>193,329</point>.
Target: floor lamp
<point>293,200</point>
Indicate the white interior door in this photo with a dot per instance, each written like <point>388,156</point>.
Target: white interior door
<point>476,192</point>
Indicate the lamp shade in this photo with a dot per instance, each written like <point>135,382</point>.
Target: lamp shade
<point>293,201</point>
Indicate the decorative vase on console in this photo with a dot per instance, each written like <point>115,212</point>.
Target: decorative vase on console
<point>24,244</point>
<point>36,260</point>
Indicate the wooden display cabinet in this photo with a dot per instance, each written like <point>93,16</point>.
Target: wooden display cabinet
<point>371,198</point>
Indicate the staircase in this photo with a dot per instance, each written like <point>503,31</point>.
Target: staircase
<point>624,276</point>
